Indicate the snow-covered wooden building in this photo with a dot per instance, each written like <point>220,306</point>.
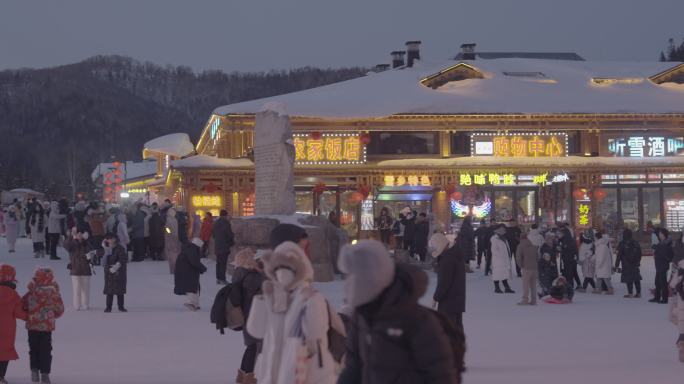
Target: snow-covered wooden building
<point>533,140</point>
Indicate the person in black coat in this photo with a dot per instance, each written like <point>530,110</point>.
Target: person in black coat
<point>409,222</point>
<point>483,233</point>
<point>569,256</point>
<point>391,337</point>
<point>450,294</point>
<point>420,241</point>
<point>629,255</point>
<point>247,282</point>
<point>155,240</point>
<point>466,238</point>
<point>186,275</point>
<point>663,254</point>
<point>115,275</point>
<point>513,234</point>
<point>223,241</point>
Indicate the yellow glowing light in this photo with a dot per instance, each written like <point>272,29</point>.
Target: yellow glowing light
<point>464,179</point>
<point>480,179</point>
<point>425,181</point>
<point>333,148</point>
<point>352,149</point>
<point>494,178</point>
<point>412,180</point>
<point>583,210</point>
<point>509,179</point>
<point>199,201</point>
<point>300,149</point>
<point>314,150</point>
<point>389,181</point>
<point>540,179</point>
<point>401,180</point>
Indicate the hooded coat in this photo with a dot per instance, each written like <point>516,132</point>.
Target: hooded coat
<point>283,316</point>
<point>466,239</point>
<point>38,231</point>
<point>10,310</point>
<point>451,281</point>
<point>393,339</point>
<point>663,254</point>
<point>43,302</point>
<point>115,283</point>
<point>587,259</point>
<point>501,258</point>
<point>548,266</point>
<point>188,269</point>
<point>604,258</point>
<point>629,255</point>
<point>247,282</point>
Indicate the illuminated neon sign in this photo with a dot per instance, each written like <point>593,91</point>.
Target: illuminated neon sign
<point>213,130</point>
<point>410,180</point>
<point>200,201</point>
<point>519,144</point>
<point>478,211</point>
<point>645,146</point>
<point>329,149</point>
<point>583,218</point>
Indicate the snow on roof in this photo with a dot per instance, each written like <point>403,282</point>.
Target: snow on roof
<point>27,191</point>
<point>132,170</point>
<point>205,161</point>
<point>569,89</point>
<point>175,144</point>
<point>546,162</point>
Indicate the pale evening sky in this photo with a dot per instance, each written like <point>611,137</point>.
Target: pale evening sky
<point>255,35</point>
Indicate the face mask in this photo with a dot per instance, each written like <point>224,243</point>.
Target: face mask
<point>284,277</point>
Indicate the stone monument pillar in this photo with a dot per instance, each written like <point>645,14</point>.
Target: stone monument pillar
<point>274,156</point>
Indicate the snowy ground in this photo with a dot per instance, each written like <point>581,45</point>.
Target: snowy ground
<point>598,339</point>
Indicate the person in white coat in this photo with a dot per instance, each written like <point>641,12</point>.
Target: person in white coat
<point>292,319</point>
<point>13,219</point>
<point>535,237</point>
<point>501,260</point>
<point>604,263</point>
<point>587,260</point>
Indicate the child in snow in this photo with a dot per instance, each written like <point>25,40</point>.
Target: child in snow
<point>561,292</point>
<point>10,311</point>
<point>677,305</point>
<point>587,259</point>
<point>44,306</point>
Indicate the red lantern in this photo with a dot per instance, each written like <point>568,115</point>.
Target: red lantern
<point>364,190</point>
<point>107,175</point>
<point>320,188</point>
<point>116,164</point>
<point>365,138</point>
<point>117,172</point>
<point>456,195</point>
<point>355,198</point>
<point>600,194</point>
<point>450,188</point>
<point>315,135</point>
<point>578,193</point>
<point>118,188</point>
<point>118,180</point>
<point>108,189</point>
<point>108,182</point>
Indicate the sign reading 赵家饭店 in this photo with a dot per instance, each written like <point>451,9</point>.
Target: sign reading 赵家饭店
<point>645,146</point>
<point>329,149</point>
<point>519,144</point>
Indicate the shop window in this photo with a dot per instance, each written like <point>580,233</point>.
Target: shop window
<point>629,203</point>
<point>403,143</point>
<point>674,208</point>
<point>527,210</point>
<point>652,205</point>
<point>608,212</point>
<point>460,144</point>
<point>503,206</point>
<point>304,202</point>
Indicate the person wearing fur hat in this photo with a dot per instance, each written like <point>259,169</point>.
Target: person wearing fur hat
<point>172,244</point>
<point>392,338</point>
<point>115,274</point>
<point>11,309</point>
<point>676,284</point>
<point>501,259</point>
<point>187,273</point>
<point>450,295</point>
<point>13,218</point>
<point>44,306</point>
<point>247,281</point>
<point>80,266</point>
<point>292,319</point>
<point>223,241</point>
<point>587,259</point>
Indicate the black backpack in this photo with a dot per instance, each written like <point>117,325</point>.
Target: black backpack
<point>457,341</point>
<point>217,314</point>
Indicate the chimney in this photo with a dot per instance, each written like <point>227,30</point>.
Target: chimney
<point>412,52</point>
<point>398,58</point>
<point>381,68</point>
<point>468,51</point>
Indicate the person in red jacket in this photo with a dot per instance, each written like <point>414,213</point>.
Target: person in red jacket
<point>205,232</point>
<point>44,305</point>
<point>10,311</point>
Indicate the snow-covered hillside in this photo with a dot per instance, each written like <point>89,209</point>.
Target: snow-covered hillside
<point>598,339</point>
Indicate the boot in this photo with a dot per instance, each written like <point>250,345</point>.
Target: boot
<point>498,290</point>
<point>249,378</point>
<point>507,287</point>
<point>240,379</point>
<point>45,378</point>
<point>681,351</point>
<point>35,376</point>
<point>637,296</point>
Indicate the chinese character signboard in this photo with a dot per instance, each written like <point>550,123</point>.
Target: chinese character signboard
<point>519,144</point>
<point>409,180</point>
<point>645,146</point>
<point>329,149</point>
<point>583,214</point>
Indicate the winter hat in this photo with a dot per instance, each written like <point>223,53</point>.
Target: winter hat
<point>290,256</point>
<point>369,269</point>
<point>286,232</point>
<point>245,259</point>
<point>7,274</point>
<point>438,243</point>
<point>197,241</point>
<point>500,230</point>
<point>43,276</point>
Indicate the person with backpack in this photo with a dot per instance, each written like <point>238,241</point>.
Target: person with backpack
<point>187,273</point>
<point>11,309</point>
<point>587,259</point>
<point>392,338</point>
<point>450,295</point>
<point>246,284</point>
<point>604,264</point>
<point>293,320</point>
<point>80,267</point>
<point>43,304</point>
<point>629,255</point>
<point>662,256</point>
